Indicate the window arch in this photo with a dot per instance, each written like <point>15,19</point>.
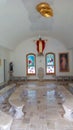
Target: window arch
<point>31,64</point>
<point>50,63</point>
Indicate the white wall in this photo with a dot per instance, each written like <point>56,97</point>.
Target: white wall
<point>18,56</point>
<point>4,54</point>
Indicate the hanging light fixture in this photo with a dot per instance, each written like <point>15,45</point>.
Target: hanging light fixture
<point>44,9</point>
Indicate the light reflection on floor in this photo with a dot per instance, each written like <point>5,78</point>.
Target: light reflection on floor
<point>42,111</point>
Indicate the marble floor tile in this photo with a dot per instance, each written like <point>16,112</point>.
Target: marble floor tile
<point>42,109</point>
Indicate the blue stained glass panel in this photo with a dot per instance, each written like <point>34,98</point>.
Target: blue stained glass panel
<point>50,69</point>
<point>31,64</point>
<point>50,59</point>
<point>50,63</point>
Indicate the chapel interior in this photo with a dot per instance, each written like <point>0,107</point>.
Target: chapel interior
<point>36,65</point>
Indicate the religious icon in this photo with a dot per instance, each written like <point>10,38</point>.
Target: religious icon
<point>40,46</point>
<point>11,66</point>
<point>64,62</point>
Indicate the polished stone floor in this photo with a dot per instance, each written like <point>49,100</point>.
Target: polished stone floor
<point>42,109</point>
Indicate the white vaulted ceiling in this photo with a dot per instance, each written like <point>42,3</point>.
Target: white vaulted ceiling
<point>19,20</point>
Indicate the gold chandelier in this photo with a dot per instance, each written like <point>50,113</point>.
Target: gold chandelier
<point>44,9</point>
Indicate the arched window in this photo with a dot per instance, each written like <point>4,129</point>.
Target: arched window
<point>30,64</point>
<point>50,63</point>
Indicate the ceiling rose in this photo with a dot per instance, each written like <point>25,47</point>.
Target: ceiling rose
<point>44,9</point>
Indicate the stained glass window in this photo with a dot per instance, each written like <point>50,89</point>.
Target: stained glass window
<point>31,65</point>
<point>50,63</point>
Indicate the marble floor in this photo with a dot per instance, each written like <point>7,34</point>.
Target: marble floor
<point>42,110</point>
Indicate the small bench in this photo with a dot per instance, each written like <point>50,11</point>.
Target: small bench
<point>6,91</point>
<point>68,102</point>
<point>5,121</point>
<point>71,87</point>
<point>17,103</point>
<point>20,78</point>
<point>68,105</point>
<point>17,107</point>
<point>3,84</point>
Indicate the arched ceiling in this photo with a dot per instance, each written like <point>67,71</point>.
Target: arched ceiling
<point>19,20</point>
